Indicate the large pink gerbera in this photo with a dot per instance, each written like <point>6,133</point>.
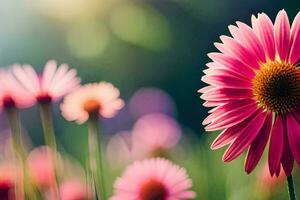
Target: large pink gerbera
<point>51,85</point>
<point>252,80</point>
<point>155,178</point>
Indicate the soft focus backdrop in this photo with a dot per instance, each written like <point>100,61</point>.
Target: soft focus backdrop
<point>154,52</point>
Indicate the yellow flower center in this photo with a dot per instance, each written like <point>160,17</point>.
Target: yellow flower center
<point>276,86</point>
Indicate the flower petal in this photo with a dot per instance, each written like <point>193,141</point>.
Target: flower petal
<point>258,145</point>
<point>295,40</point>
<point>245,137</point>
<point>293,129</point>
<point>263,27</point>
<point>282,34</point>
<point>276,145</point>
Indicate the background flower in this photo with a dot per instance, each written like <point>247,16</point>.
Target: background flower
<point>153,179</point>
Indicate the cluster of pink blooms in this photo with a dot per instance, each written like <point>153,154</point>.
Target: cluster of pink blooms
<point>158,178</point>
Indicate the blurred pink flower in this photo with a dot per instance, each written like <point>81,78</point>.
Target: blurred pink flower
<point>54,83</point>
<point>71,190</point>
<point>9,175</point>
<point>118,150</point>
<point>41,167</point>
<point>95,98</point>
<point>254,77</point>
<point>12,93</point>
<point>154,134</point>
<point>268,183</point>
<point>151,100</point>
<point>74,190</point>
<point>155,178</point>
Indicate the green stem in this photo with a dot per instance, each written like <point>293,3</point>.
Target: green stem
<point>49,134</point>
<point>95,157</point>
<point>15,127</point>
<point>291,188</point>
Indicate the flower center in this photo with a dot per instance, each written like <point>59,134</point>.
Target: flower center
<point>8,102</point>
<point>276,87</point>
<point>153,190</point>
<point>44,98</point>
<point>91,106</point>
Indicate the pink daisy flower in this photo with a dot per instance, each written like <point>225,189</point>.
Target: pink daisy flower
<point>41,168</point>
<point>253,78</point>
<point>154,134</point>
<point>54,82</point>
<point>155,178</point>
<point>94,98</point>
<point>12,94</point>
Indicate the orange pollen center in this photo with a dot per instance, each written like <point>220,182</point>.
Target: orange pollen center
<point>153,190</point>
<point>276,87</point>
<point>91,106</point>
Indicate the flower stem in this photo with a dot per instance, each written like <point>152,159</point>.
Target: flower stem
<point>15,127</point>
<point>49,134</point>
<point>291,188</point>
<point>95,157</point>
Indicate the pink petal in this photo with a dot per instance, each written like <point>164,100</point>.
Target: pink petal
<point>287,159</point>
<point>232,118</point>
<point>225,108</point>
<point>258,145</point>
<point>282,34</point>
<point>48,73</point>
<point>232,63</point>
<point>251,41</point>
<point>245,137</point>
<point>223,71</point>
<point>235,49</point>
<point>293,129</point>
<point>263,27</point>
<point>227,94</point>
<point>230,133</point>
<point>295,40</point>
<point>227,81</point>
<point>276,145</point>
<point>212,103</point>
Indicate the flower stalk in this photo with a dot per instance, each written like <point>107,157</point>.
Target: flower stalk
<point>49,134</point>
<point>291,188</point>
<point>95,157</point>
<point>26,188</point>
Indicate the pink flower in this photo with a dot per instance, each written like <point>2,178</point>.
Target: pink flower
<point>40,163</point>
<point>54,83</point>
<point>154,134</point>
<point>254,77</point>
<point>95,98</point>
<point>71,190</point>
<point>74,190</point>
<point>12,94</point>
<point>8,180</point>
<point>155,178</point>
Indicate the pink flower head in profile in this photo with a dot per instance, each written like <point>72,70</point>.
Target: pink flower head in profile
<point>154,178</point>
<point>8,180</point>
<point>154,134</point>
<point>254,77</point>
<point>41,167</point>
<point>95,98</point>
<point>52,84</point>
<point>12,94</point>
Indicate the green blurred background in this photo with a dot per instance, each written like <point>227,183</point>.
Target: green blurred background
<point>136,44</point>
